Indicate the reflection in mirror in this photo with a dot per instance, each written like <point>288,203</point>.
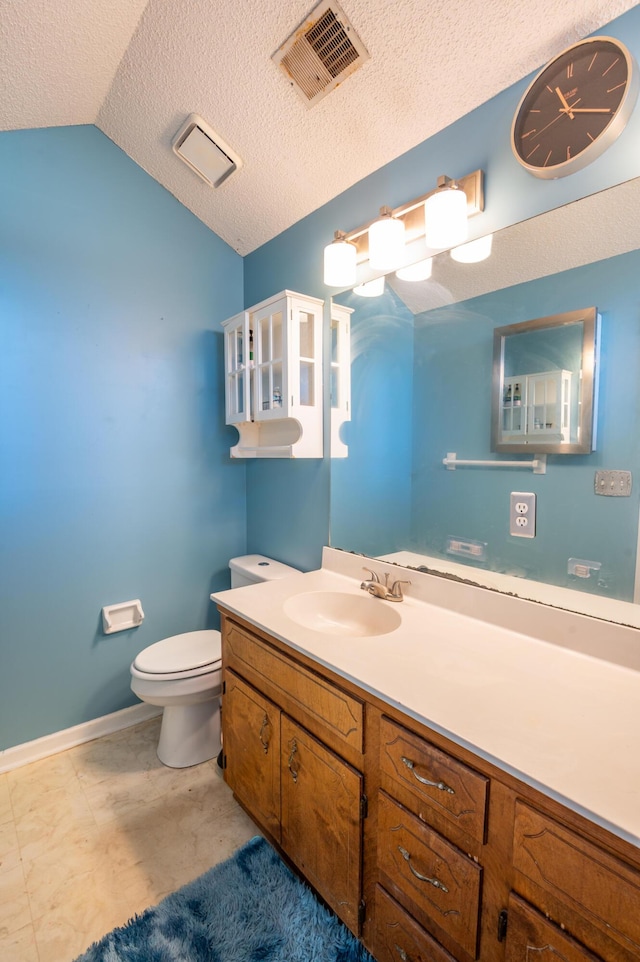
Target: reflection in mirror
<point>421,386</point>
<point>544,384</point>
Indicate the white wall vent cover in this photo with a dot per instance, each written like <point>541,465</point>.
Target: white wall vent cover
<point>200,147</point>
<point>321,52</point>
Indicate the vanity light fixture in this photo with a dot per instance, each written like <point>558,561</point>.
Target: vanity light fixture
<point>474,251</point>
<point>401,235</point>
<point>416,272</point>
<point>386,241</point>
<point>372,288</point>
<point>445,215</point>
<point>340,262</point>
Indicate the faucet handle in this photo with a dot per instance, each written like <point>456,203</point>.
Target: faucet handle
<point>372,576</point>
<point>396,590</point>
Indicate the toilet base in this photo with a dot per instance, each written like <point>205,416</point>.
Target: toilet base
<point>190,734</point>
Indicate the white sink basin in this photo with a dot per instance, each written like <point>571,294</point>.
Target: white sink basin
<point>341,613</point>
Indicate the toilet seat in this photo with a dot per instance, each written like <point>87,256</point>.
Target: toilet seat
<point>180,656</point>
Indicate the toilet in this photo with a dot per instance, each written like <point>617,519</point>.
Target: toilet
<point>182,675</point>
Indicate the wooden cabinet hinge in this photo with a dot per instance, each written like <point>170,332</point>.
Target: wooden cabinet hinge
<point>364,807</point>
<point>503,920</point>
<point>224,688</point>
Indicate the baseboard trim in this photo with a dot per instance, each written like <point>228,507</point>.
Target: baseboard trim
<point>39,748</point>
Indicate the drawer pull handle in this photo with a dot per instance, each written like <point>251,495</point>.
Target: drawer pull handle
<point>264,740</point>
<point>401,952</point>
<point>437,884</point>
<point>441,786</point>
<point>292,754</point>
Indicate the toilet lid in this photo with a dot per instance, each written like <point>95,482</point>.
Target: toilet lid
<point>193,649</point>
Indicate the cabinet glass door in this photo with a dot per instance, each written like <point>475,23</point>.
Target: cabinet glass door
<point>306,329</point>
<point>237,374</point>
<point>270,338</point>
<point>513,406</point>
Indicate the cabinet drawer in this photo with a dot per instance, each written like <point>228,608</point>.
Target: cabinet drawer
<point>438,782</point>
<point>571,871</point>
<point>399,938</point>
<point>531,936</point>
<point>322,707</point>
<point>437,882</point>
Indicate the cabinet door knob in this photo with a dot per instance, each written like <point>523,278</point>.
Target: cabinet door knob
<point>441,786</point>
<point>437,884</point>
<point>401,952</point>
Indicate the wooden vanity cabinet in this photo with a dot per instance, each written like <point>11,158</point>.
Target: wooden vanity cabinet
<point>277,717</point>
<point>426,851</point>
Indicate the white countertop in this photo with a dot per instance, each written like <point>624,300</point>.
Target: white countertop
<point>562,721</point>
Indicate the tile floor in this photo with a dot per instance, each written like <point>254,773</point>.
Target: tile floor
<point>97,833</point>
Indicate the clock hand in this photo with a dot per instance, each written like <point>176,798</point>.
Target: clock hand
<point>590,110</point>
<point>555,119</point>
<point>563,101</point>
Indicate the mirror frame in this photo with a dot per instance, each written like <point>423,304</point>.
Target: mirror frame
<point>588,402</point>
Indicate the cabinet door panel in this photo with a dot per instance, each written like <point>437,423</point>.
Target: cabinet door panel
<point>321,820</point>
<point>251,739</point>
<point>532,938</point>
<point>431,875</point>
<point>572,871</point>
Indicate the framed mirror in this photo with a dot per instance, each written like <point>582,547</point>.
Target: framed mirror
<point>544,386</point>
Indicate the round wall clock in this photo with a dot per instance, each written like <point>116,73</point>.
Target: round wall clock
<point>575,108</point>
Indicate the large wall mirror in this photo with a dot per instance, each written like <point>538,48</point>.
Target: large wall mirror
<point>544,385</point>
<point>422,386</point>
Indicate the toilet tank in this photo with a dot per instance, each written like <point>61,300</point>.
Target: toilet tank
<point>249,569</point>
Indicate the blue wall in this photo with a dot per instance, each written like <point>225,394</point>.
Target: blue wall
<point>116,481</point>
<point>293,260</point>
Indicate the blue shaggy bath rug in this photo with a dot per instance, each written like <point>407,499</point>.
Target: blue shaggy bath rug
<point>250,908</point>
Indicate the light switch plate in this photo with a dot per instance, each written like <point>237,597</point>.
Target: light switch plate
<point>613,484</point>
<point>522,514</point>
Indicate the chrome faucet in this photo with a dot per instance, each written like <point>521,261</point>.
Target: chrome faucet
<point>382,590</point>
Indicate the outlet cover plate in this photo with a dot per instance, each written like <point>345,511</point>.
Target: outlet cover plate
<point>522,514</point>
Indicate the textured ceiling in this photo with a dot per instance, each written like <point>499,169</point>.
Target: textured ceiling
<point>137,70</point>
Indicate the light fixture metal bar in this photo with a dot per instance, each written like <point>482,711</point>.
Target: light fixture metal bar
<point>413,214</point>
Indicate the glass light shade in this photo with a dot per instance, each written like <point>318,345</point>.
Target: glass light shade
<point>473,252</point>
<point>416,272</point>
<point>340,264</point>
<point>386,243</point>
<point>445,215</point>
<point>372,288</point>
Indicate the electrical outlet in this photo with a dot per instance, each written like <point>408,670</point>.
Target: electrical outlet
<point>522,514</point>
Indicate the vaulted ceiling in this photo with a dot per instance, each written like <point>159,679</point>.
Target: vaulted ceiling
<point>137,69</point>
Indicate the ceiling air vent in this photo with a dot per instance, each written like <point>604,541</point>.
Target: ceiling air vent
<point>321,52</point>
<point>204,151</point>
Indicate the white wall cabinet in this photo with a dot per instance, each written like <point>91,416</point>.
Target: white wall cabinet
<point>537,405</point>
<point>273,377</point>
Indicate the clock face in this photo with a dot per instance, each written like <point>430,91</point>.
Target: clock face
<point>575,108</point>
